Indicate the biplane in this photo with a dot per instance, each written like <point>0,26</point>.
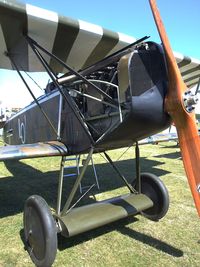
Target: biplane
<point>107,91</point>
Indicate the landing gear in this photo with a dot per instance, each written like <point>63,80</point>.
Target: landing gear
<point>148,196</point>
<point>40,231</point>
<point>154,188</point>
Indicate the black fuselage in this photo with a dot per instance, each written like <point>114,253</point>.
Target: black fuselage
<point>82,118</point>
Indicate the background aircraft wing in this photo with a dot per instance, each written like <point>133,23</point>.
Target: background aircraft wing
<point>62,36</point>
<point>48,149</point>
<point>158,138</point>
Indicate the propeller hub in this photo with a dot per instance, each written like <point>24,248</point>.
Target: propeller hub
<point>190,100</point>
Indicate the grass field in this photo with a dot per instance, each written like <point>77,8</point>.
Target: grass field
<point>173,241</point>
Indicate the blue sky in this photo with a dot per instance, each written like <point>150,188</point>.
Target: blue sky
<point>132,17</point>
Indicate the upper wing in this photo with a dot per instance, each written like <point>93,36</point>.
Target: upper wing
<point>48,149</point>
<point>62,36</point>
<point>190,69</point>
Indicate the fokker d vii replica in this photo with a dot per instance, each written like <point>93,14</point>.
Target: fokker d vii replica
<point>105,93</point>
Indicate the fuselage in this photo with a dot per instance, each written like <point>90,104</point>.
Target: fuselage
<point>82,118</point>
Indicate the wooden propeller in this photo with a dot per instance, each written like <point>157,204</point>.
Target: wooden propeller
<point>183,118</point>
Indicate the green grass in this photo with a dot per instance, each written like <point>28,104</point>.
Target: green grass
<point>173,241</point>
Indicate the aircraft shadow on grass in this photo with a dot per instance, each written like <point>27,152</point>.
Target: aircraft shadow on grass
<point>173,155</point>
<point>122,227</point>
<point>26,181</point>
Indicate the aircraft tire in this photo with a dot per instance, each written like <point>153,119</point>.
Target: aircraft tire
<point>40,231</point>
<point>153,187</point>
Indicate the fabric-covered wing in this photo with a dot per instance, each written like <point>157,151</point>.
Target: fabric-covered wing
<point>76,42</point>
<point>190,69</point>
<point>33,151</point>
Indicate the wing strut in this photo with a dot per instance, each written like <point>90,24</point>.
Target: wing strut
<point>52,75</point>
<point>105,61</point>
<point>33,96</point>
<point>34,44</point>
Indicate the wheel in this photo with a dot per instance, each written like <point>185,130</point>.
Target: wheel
<point>154,188</point>
<point>40,231</point>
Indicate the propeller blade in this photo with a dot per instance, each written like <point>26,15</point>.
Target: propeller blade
<point>184,120</point>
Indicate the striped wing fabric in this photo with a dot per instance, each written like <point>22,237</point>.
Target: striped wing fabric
<point>190,69</point>
<point>76,42</point>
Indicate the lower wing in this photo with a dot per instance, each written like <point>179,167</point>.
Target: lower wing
<point>47,149</point>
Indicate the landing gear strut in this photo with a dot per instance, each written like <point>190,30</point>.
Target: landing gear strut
<point>148,196</point>
<point>153,187</point>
